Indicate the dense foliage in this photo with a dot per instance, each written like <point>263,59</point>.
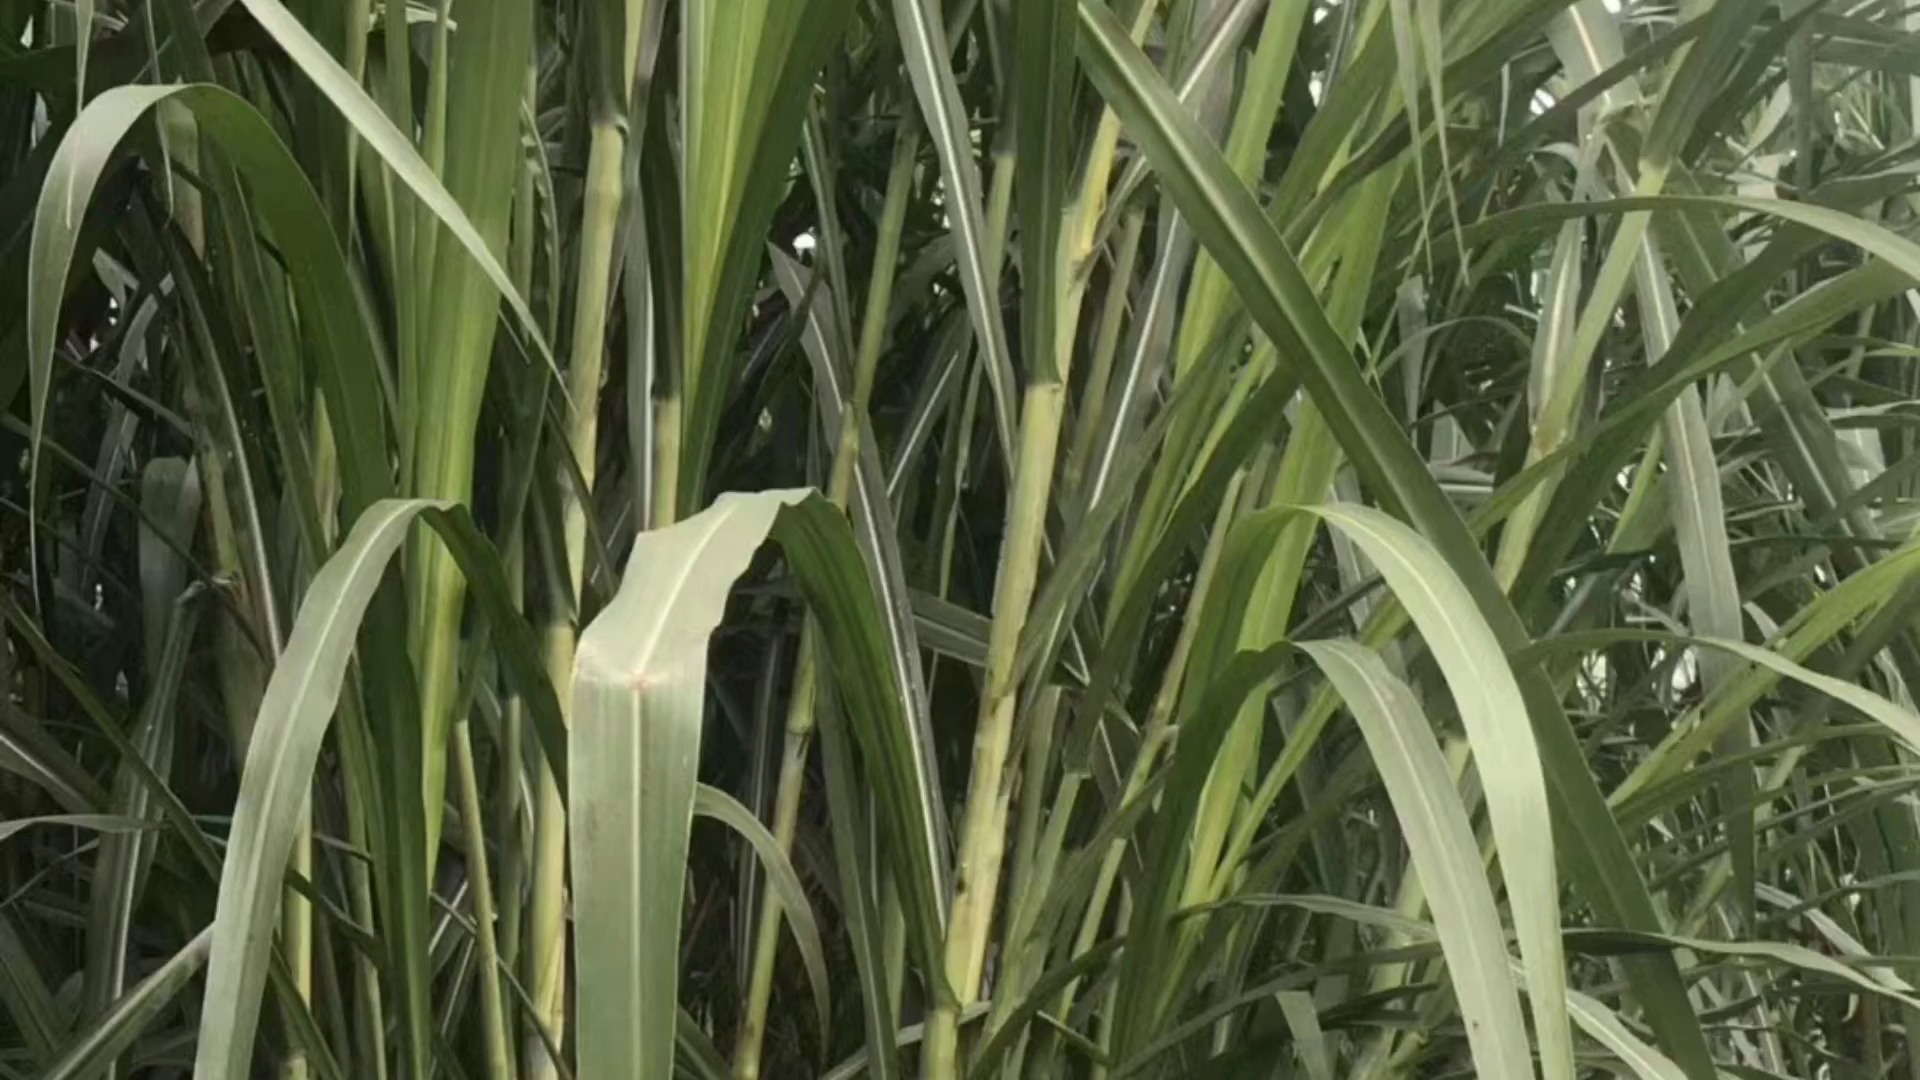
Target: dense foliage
<point>1291,538</point>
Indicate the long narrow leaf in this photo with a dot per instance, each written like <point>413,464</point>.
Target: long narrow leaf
<point>110,1036</point>
<point>1444,852</point>
<point>1229,222</point>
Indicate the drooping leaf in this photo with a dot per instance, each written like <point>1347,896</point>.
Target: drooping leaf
<point>639,696</point>
<point>1444,852</point>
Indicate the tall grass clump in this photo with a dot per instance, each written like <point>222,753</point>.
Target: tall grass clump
<point>974,539</point>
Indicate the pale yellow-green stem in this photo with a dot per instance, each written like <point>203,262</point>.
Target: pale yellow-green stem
<point>1030,951</point>
<point>546,944</point>
<point>1083,227</point>
<point>983,826</point>
<point>296,939</point>
<point>1041,733</point>
<point>296,913</point>
<point>1032,875</point>
<point>1157,732</point>
<point>587,360</point>
<point>513,555</point>
<point>494,1023</point>
<point>806,680</point>
<point>510,815</point>
<point>941,1030</point>
<point>984,820</point>
<point>593,284</point>
<point>545,947</point>
<point>786,815</point>
<point>1036,862</point>
<point>667,422</point>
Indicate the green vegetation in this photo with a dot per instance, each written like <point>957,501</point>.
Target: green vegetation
<point>960,538</point>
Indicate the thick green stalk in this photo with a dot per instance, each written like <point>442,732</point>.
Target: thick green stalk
<point>546,937</point>
<point>806,679</point>
<point>668,418</point>
<point>983,828</point>
<point>984,824</point>
<point>1042,733</point>
<point>593,286</point>
<point>587,360</point>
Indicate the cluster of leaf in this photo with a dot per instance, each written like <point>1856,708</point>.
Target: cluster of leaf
<point>1302,538</point>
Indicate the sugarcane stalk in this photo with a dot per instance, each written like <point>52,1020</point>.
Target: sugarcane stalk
<point>494,1025</point>
<point>1042,412</point>
<point>599,227</point>
<point>800,719</point>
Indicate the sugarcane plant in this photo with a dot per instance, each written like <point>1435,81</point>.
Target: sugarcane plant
<point>969,539</point>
